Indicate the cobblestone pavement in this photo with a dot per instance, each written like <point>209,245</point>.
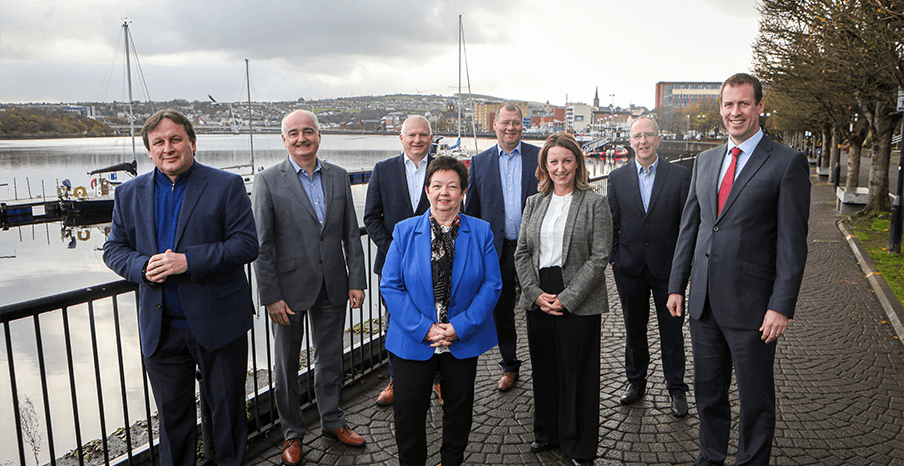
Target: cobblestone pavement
<point>839,385</point>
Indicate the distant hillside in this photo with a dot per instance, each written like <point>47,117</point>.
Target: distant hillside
<point>24,122</point>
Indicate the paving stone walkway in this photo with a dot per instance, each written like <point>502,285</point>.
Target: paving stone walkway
<point>839,385</point>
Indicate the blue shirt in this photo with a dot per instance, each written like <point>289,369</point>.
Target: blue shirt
<point>168,198</point>
<point>747,147</point>
<point>510,174</point>
<point>313,187</point>
<point>645,179</point>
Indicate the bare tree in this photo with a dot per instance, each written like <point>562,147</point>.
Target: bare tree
<point>31,427</point>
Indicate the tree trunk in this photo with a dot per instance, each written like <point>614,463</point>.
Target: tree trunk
<point>858,135</point>
<point>833,152</point>
<point>884,120</point>
<point>824,154</point>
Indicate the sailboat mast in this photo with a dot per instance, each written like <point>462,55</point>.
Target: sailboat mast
<point>459,76</point>
<point>125,27</point>
<point>250,130</point>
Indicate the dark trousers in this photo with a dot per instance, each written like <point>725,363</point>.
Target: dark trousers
<point>412,386</point>
<point>634,293</point>
<point>716,350</point>
<point>171,370</point>
<point>565,362</point>
<point>504,312</point>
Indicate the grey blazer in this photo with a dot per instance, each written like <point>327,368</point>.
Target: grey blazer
<point>298,255</point>
<point>585,253</point>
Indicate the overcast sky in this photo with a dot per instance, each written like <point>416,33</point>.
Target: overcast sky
<point>70,51</point>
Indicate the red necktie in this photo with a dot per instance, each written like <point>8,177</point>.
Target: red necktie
<point>725,187</point>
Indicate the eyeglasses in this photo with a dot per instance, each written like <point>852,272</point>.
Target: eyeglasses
<point>639,136</point>
<point>510,122</point>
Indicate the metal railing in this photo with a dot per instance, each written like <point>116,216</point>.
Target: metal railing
<point>62,371</point>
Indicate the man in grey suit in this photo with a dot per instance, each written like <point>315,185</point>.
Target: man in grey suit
<point>646,197</point>
<point>311,262</point>
<point>743,245</point>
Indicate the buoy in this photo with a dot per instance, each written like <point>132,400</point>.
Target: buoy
<point>80,192</point>
<point>84,235</point>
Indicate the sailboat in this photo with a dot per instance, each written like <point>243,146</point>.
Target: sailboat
<point>456,150</point>
<point>100,196</point>
<point>247,175</point>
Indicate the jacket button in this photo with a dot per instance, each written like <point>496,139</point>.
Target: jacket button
<point>158,306</point>
<point>715,228</point>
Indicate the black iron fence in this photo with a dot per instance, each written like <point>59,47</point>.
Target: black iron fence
<point>80,351</point>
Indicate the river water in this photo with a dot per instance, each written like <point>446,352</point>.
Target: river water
<point>46,259</point>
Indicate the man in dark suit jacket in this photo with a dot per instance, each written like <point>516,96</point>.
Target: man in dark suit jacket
<point>311,263</point>
<point>646,198</point>
<point>501,178</point>
<point>743,245</point>
<point>183,232</point>
<point>390,200</point>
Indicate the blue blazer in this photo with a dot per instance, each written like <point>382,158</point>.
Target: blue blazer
<point>646,237</point>
<point>407,288</point>
<point>388,203</point>
<point>751,257</point>
<point>215,230</point>
<point>484,199</point>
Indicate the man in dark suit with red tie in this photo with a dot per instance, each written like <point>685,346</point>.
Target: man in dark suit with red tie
<point>646,198</point>
<point>743,245</point>
<point>396,192</point>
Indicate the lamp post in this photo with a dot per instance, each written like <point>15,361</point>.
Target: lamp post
<point>687,135</point>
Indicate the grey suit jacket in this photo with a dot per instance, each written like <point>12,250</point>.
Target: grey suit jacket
<point>585,252</point>
<point>297,254</point>
<point>750,258</point>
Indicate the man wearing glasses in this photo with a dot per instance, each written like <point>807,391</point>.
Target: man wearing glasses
<point>646,198</point>
<point>500,180</point>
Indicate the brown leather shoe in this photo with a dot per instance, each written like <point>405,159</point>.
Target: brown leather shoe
<point>385,398</point>
<point>345,436</point>
<point>507,381</point>
<point>439,393</point>
<point>291,452</point>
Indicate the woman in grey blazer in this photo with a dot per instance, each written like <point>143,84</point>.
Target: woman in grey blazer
<point>562,253</point>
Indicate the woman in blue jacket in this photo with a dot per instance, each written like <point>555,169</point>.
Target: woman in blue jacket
<point>440,282</point>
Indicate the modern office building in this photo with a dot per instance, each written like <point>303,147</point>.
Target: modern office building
<point>684,94</point>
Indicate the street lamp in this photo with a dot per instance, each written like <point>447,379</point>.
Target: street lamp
<point>687,135</point>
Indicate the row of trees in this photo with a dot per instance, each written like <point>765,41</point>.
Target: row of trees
<point>702,117</point>
<point>834,68</point>
<point>19,122</point>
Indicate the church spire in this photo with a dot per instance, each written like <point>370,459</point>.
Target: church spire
<point>596,97</point>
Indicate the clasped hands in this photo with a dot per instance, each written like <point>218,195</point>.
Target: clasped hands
<point>441,334</point>
<point>550,304</point>
<point>165,264</point>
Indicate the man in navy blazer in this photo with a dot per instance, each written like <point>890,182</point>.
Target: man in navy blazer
<point>646,198</point>
<point>743,245</point>
<point>183,232</point>
<point>390,200</point>
<point>501,178</point>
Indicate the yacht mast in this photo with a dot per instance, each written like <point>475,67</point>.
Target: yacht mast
<point>250,119</point>
<point>125,27</point>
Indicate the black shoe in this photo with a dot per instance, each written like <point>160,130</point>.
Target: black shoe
<point>539,446</point>
<point>632,394</point>
<point>679,403</point>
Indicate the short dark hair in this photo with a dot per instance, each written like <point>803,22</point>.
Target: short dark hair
<point>561,139</point>
<point>155,119</point>
<point>744,78</point>
<point>445,162</point>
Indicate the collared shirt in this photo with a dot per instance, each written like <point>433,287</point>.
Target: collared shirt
<point>313,187</point>
<point>168,197</point>
<point>552,230</point>
<point>747,147</point>
<point>416,175</point>
<point>510,173</point>
<point>645,179</point>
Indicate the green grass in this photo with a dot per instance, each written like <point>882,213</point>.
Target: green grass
<point>872,231</point>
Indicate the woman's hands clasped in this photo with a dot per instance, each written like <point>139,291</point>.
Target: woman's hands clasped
<point>442,334</point>
<point>550,304</point>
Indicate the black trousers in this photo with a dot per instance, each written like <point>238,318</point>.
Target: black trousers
<point>412,384</point>
<point>171,370</point>
<point>504,312</point>
<point>634,293</point>
<point>565,357</point>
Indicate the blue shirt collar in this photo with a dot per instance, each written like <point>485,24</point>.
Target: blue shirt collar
<point>515,151</point>
<point>638,166</point>
<point>748,146</point>
<point>298,167</point>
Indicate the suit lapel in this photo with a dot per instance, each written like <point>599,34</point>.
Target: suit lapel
<point>424,203</point>
<point>493,176</point>
<point>294,185</point>
<point>757,158</point>
<point>708,171</point>
<point>634,187</point>
<point>402,174</point>
<point>533,229</point>
<point>577,198</point>
<point>422,252</point>
<point>146,207</point>
<point>460,262</point>
<point>329,182</point>
<point>194,189</point>
<point>662,173</point>
<point>526,175</point>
